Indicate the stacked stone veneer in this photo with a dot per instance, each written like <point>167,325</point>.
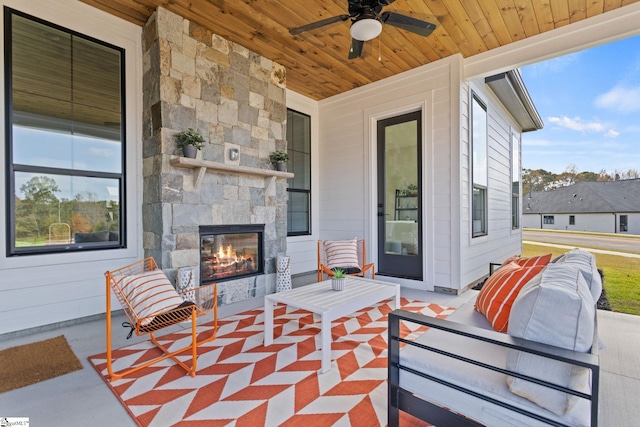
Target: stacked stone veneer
<point>235,99</point>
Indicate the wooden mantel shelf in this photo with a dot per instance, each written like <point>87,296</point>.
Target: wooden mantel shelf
<point>202,166</point>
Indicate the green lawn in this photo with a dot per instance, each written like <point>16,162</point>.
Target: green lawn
<point>26,243</point>
<point>621,277</point>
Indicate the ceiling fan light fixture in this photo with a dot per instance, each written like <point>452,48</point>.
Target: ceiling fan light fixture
<point>366,29</point>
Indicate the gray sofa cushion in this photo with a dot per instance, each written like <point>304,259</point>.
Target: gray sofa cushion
<point>585,261</point>
<point>556,308</point>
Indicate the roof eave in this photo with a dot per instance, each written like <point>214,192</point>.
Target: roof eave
<point>512,92</point>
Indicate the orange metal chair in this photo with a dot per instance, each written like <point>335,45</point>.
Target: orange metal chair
<point>363,267</point>
<point>196,303</point>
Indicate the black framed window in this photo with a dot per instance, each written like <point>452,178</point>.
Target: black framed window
<point>548,219</point>
<point>572,220</point>
<point>515,211</point>
<point>299,150</point>
<point>479,171</point>
<point>624,223</point>
<point>64,136</point>
<point>515,182</point>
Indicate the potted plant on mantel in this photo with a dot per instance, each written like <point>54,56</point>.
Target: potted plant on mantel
<point>280,159</point>
<point>190,141</point>
<point>337,280</point>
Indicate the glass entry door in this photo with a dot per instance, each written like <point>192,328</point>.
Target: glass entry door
<point>400,196</point>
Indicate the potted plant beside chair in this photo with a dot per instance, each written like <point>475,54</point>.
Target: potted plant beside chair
<point>337,280</point>
<point>280,159</point>
<point>190,141</point>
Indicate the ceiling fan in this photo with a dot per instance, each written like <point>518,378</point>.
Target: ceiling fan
<point>366,23</point>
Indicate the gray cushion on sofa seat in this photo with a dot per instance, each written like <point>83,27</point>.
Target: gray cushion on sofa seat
<point>480,380</point>
<point>468,315</point>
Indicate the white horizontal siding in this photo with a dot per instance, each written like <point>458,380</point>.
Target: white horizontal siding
<point>633,223</point>
<point>347,159</point>
<point>465,164</point>
<point>499,173</point>
<point>39,300</point>
<point>531,220</point>
<point>39,290</point>
<point>501,241</point>
<point>303,255</point>
<point>596,222</point>
<point>442,213</point>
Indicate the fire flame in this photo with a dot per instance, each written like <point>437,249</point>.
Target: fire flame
<point>228,256</point>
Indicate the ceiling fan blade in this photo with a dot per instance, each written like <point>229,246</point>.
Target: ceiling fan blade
<point>408,23</point>
<point>314,25</point>
<point>373,4</point>
<point>356,48</point>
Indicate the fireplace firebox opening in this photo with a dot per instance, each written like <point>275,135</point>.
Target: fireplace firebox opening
<point>230,252</point>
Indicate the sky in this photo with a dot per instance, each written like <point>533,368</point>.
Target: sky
<point>589,102</point>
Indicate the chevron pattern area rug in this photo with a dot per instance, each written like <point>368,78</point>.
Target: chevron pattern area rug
<point>240,382</point>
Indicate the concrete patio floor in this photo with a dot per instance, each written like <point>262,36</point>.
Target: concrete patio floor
<point>82,398</point>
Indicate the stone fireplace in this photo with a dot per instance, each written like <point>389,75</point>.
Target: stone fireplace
<point>236,100</point>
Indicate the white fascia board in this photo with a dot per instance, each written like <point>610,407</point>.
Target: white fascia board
<point>598,30</point>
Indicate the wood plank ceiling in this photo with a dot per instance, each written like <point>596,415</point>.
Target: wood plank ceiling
<point>316,61</point>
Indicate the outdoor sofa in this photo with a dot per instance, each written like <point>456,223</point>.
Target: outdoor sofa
<point>543,371</point>
<point>96,236</point>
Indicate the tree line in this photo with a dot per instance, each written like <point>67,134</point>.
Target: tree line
<point>43,218</point>
<point>542,180</point>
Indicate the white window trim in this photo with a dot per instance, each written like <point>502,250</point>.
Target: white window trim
<point>474,95</point>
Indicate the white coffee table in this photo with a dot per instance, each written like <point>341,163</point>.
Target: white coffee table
<point>319,298</point>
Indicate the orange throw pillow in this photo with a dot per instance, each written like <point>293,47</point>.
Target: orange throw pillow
<point>514,258</point>
<point>500,291</point>
<point>528,262</point>
<point>535,261</point>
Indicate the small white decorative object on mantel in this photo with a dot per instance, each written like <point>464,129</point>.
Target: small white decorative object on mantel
<point>187,281</point>
<point>283,273</point>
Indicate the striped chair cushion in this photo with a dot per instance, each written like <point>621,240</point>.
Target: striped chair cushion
<point>500,291</point>
<point>341,253</point>
<point>150,294</point>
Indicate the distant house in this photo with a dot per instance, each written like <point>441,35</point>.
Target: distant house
<point>610,207</point>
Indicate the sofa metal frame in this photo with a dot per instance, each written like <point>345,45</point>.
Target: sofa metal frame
<point>402,399</point>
